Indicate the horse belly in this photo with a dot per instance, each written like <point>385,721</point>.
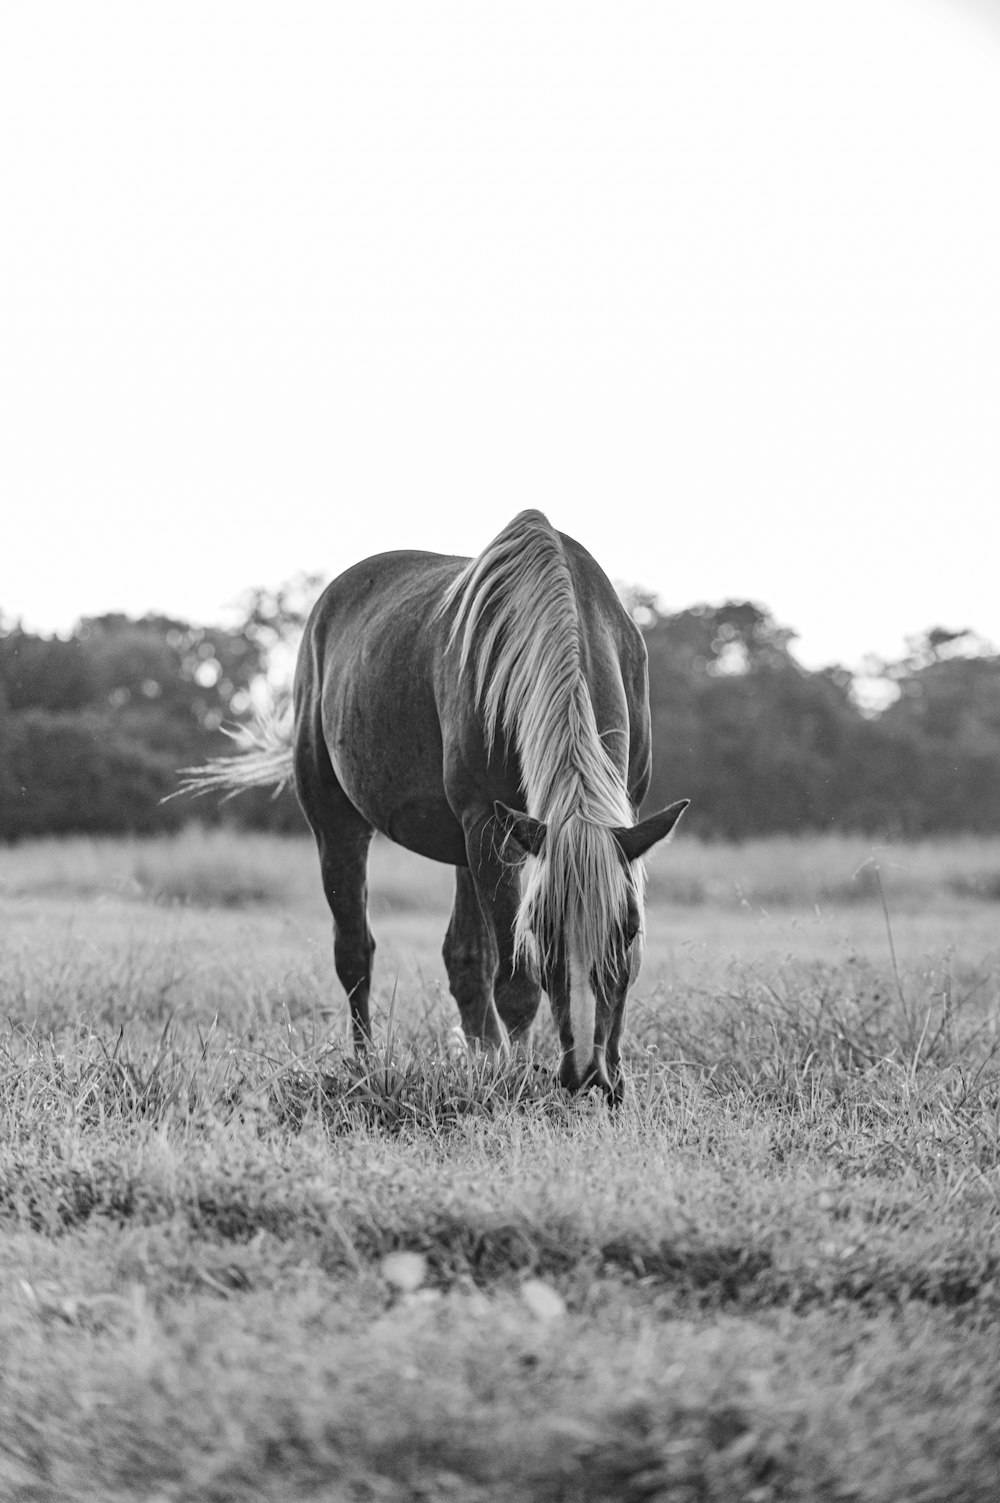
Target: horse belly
<point>371,666</point>
<point>391,770</point>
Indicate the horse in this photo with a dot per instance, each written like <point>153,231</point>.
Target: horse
<point>491,713</point>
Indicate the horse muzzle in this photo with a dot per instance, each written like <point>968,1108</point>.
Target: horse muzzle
<point>596,1076</point>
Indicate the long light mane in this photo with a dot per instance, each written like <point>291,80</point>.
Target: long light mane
<point>518,627</point>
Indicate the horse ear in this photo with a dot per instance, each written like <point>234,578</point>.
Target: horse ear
<point>636,840</point>
<point>525,834</point>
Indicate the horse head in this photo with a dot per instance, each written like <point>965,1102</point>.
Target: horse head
<point>582,917</point>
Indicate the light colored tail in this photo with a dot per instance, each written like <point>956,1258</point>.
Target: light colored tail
<point>265,760</point>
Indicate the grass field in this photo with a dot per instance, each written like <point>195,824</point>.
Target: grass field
<point>773,1273</point>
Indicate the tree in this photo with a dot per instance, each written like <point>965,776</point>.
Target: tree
<point>94,727</point>
<point>760,744</point>
<point>738,725</point>
<point>121,703</point>
<point>273,618</point>
<point>45,673</point>
<point>948,705</point>
<point>65,774</point>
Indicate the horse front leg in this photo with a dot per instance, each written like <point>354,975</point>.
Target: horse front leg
<point>470,960</point>
<point>514,979</point>
<point>516,987</point>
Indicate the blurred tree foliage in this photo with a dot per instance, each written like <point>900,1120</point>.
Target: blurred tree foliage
<point>761,745</point>
<point>94,727</point>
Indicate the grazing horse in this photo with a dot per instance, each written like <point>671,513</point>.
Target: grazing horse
<point>491,713</point>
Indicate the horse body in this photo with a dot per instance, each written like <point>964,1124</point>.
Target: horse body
<point>366,702</point>
<point>491,713</point>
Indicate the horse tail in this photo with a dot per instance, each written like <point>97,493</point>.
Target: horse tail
<point>265,760</point>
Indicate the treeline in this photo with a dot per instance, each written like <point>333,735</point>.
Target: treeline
<point>94,727</point>
<point>761,745</point>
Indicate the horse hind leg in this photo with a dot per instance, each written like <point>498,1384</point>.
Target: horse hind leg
<point>343,837</point>
<point>470,958</point>
<point>345,882</point>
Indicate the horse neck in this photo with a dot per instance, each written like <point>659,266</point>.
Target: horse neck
<point>522,627</point>
<point>580,886</point>
<point>522,630</point>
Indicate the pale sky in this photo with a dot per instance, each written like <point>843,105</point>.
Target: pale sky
<point>714,284</point>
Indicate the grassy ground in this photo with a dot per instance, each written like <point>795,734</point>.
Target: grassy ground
<point>774,1273</point>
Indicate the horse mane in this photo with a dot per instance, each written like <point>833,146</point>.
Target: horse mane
<point>518,627</point>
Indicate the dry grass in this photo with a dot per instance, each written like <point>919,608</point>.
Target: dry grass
<point>791,871</point>
<point>773,1273</point>
<point>219,868</point>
